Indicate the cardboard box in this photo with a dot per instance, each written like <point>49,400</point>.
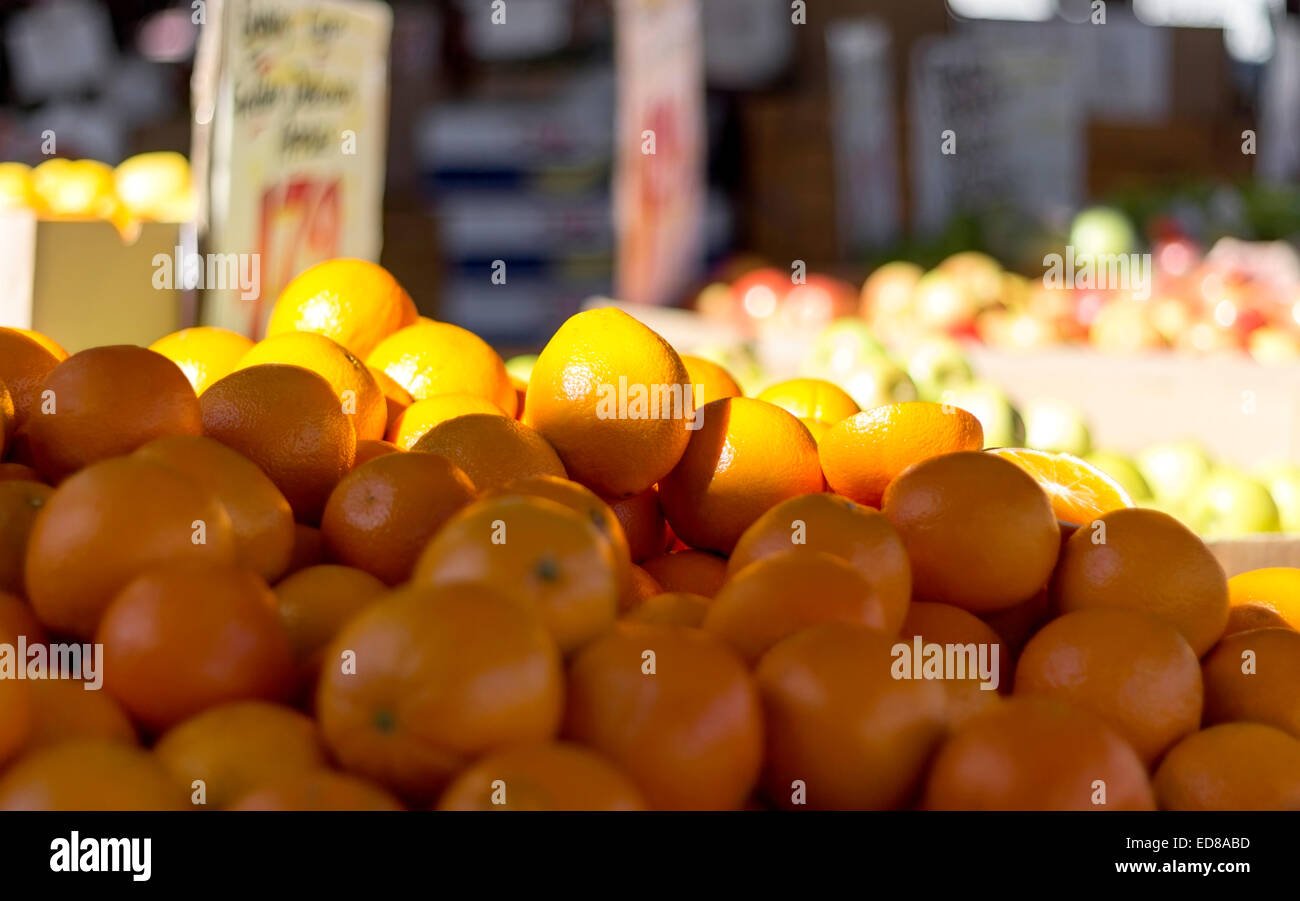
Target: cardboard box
<point>84,285</point>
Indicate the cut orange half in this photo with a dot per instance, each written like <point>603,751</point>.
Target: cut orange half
<point>1079,491</point>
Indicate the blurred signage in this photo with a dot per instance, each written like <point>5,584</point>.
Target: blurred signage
<point>290,106</point>
<point>659,177</point>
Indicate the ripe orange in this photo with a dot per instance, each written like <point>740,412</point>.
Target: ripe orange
<point>842,732</point>
<point>24,364</point>
<point>815,399</point>
<point>308,548</point>
<point>18,472</point>
<point>672,608</point>
<point>261,517</point>
<point>1016,625</point>
<point>1148,561</point>
<point>427,679</point>
<point>233,748</point>
<point>356,389</point>
<point>695,741</point>
<point>492,450</point>
<point>90,774</point>
<point>1036,753</point>
<point>643,523</point>
<point>698,572</point>
<point>430,358</point>
<point>746,458</point>
<point>66,710</point>
<point>384,512</point>
<point>15,719</point>
<point>317,789</point>
<point>552,776</point>
<point>369,450</point>
<point>781,594</point>
<point>7,426</point>
<point>1236,766</point>
<point>108,401</point>
<point>642,588</point>
<point>353,302</point>
<point>1262,598</point>
<point>864,453</point>
<point>183,636</point>
<point>1078,490</point>
<point>615,449</point>
<point>858,535</point>
<point>396,398</point>
<point>979,532</point>
<point>421,417</point>
<point>817,429</point>
<point>709,381</point>
<point>116,519</point>
<point>16,619</point>
<point>288,421</point>
<point>20,502</point>
<point>537,551</point>
<point>204,354</point>
<point>46,342</point>
<point>1132,670</point>
<point>316,602</point>
<point>1253,676</point>
<point>943,624</point>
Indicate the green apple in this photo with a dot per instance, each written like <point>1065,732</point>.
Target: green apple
<point>1003,426</point>
<point>876,382</point>
<point>842,347</point>
<point>1056,426</point>
<point>1101,230</point>
<point>1230,504</point>
<point>1283,481</point>
<point>1124,471</point>
<point>936,364</point>
<point>1174,470</point>
<point>521,367</point>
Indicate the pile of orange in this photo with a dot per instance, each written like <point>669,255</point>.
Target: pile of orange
<point>350,567</point>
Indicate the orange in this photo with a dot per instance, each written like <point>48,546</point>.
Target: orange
<point>16,619</point>
<point>383,513</point>
<point>781,594</point>
<point>419,418</point>
<point>20,502</point>
<point>611,396</point>
<point>943,624</point>
<point>862,454</point>
<point>746,458</point>
<point>1236,766</point>
<point>709,381</point>
<point>370,449</point>
<point>18,472</point>
<point>108,401</point>
<point>353,302</point>
<point>842,732</point>
<point>552,776</point>
<point>316,602</point>
<point>16,717</point>
<point>205,354</point>
<point>979,532</point>
<point>1036,753</point>
<point>537,551</point>
<point>261,517</point>
<point>1253,676</point>
<point>1147,561</point>
<point>317,789</point>
<point>674,709</point>
<point>308,548</point>
<point>183,636</point>
<point>1132,670</point>
<point>426,680</point>
<point>69,710</point>
<point>643,523</point>
<point>116,519</point>
<point>44,341</point>
<point>396,398</point>
<point>1079,491</point>
<point>7,427</point>
<point>817,429</point>
<point>1264,597</point>
<point>90,774</point>
<point>858,535</point>
<point>642,588</point>
<point>430,358</point>
<point>672,608</point>
<point>24,364</point>
<point>1016,625</point>
<point>236,747</point>
<point>586,504</point>
<point>814,399</point>
<point>356,389</point>
<point>492,450</point>
<point>288,421</point>
<point>698,572</point>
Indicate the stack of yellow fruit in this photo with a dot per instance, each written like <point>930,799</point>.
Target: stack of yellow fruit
<point>356,565</point>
